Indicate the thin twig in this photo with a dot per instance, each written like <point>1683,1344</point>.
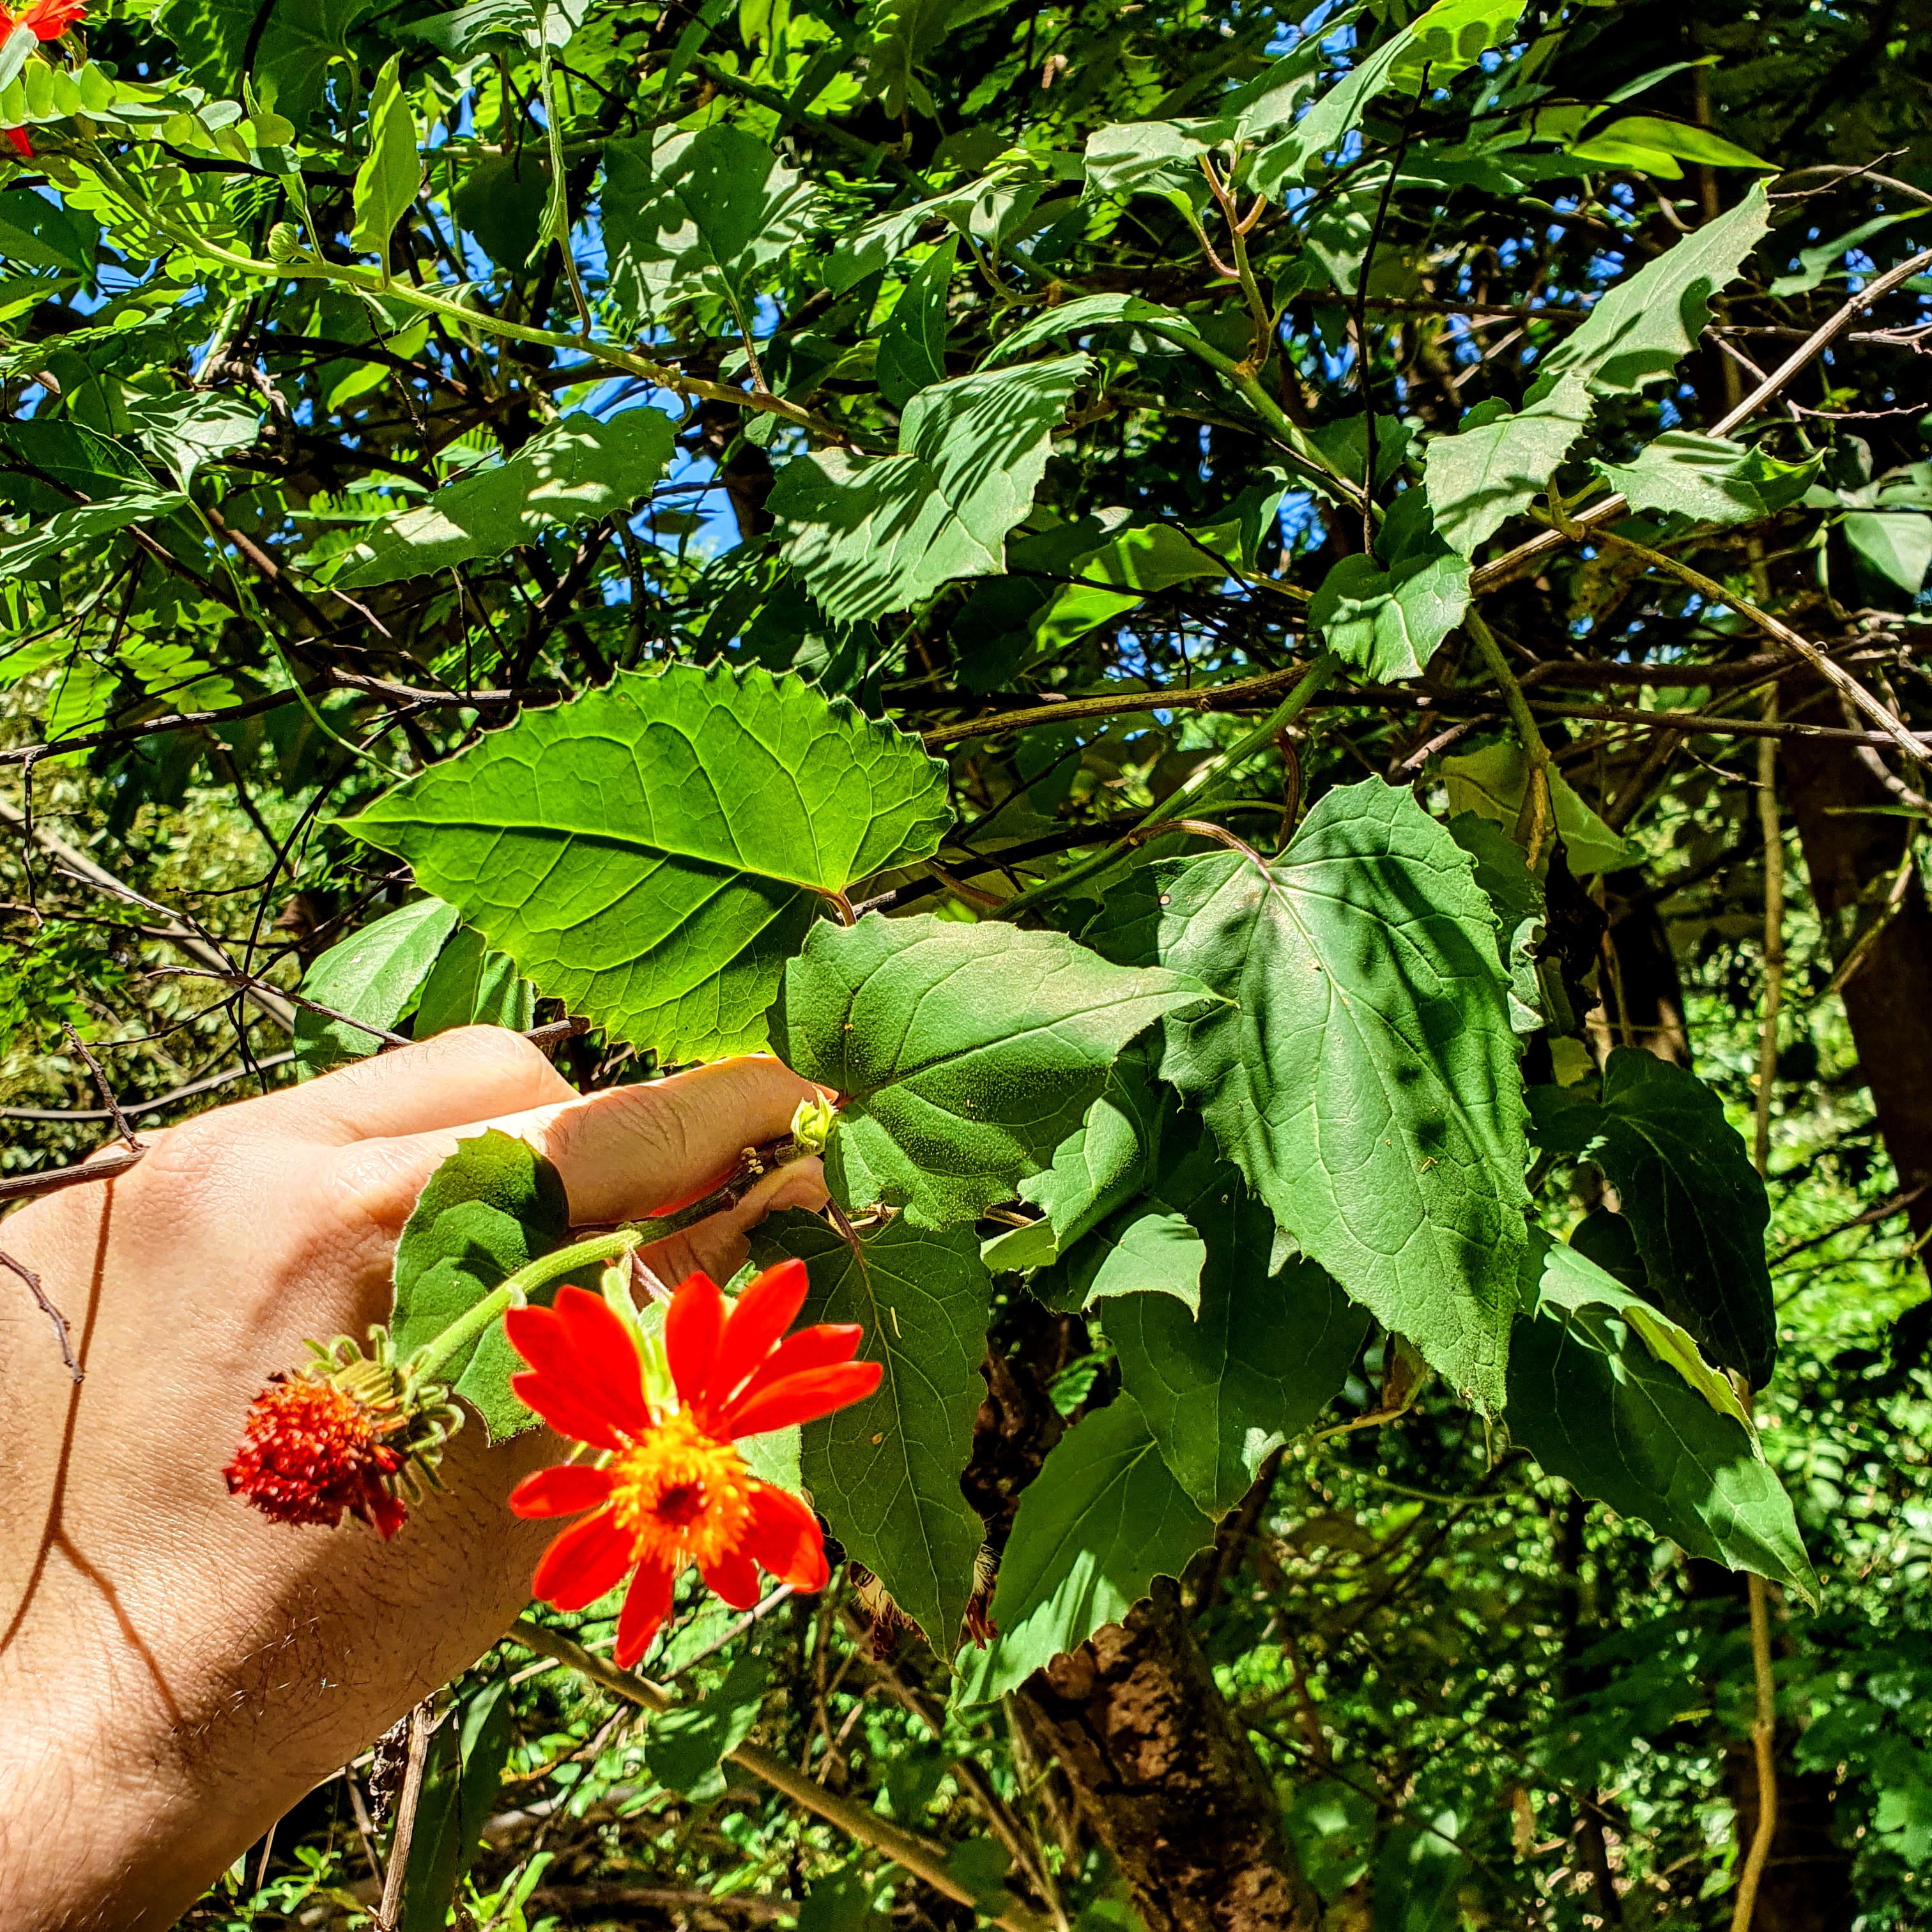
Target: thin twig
<point>389,1912</point>
<point>47,1309</point>
<point>114,1113</point>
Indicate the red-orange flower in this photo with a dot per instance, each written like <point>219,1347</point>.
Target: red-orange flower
<point>310,1450</point>
<point>22,146</point>
<point>672,1489</point>
<point>49,19</point>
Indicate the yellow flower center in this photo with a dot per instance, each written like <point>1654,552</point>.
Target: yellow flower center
<point>681,1495</point>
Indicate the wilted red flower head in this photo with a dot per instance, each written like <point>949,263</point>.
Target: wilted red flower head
<point>49,19</point>
<point>339,1436</point>
<point>672,1489</point>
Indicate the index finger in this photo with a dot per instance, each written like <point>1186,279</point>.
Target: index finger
<point>623,1153</point>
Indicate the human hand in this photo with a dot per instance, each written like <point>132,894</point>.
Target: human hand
<point>176,1670</point>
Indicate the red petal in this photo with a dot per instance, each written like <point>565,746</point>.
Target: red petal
<point>608,1369</point>
<point>562,1491</point>
<point>21,145</point>
<point>815,1348</point>
<point>734,1577</point>
<point>785,1538</point>
<point>694,1326</point>
<point>646,1604</point>
<point>764,1312</point>
<point>805,1397</point>
<point>565,1409</point>
<point>589,1558</point>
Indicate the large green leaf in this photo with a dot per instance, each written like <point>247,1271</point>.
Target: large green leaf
<point>1389,622</point>
<point>184,432</point>
<point>1110,1157</point>
<point>1599,1394</point>
<point>651,853</point>
<point>492,1205</point>
<point>579,469</point>
<point>1365,1077</point>
<point>912,344</point>
<point>904,35</point>
<point>1683,473</point>
<point>1490,783</point>
<point>1267,1351</point>
<point>1896,546</point>
<point>1144,1248</point>
<point>472,985</point>
<point>288,47</point>
<point>1102,1518</point>
<point>85,523</point>
<point>1686,1185</point>
<point>1503,873</point>
<point>1427,54</point>
<point>386,182</point>
<point>375,975</point>
<point>1500,461</point>
<point>886,1471</point>
<point>1644,325</point>
<point>685,1746</point>
<point>964,1055</point>
<point>1084,315</point>
<point>695,215</point>
<point>870,534</point>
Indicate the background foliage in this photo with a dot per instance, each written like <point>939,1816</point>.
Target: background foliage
<point>773,522</point>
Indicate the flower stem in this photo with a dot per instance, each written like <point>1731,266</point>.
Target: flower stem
<point>427,1364</point>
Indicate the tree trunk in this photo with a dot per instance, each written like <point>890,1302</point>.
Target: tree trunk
<point>1167,1779</point>
<point>1853,851</point>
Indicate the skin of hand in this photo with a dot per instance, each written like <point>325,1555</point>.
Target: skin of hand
<point>176,1670</point>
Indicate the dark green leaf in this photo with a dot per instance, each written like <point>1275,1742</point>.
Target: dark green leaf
<point>494,1204</point>
<point>1365,1077</point>
<point>471,986</point>
<point>373,975</point>
<point>1503,873</point>
<point>1111,1156</point>
<point>1686,1186</point>
<point>870,534</point>
<point>1684,474</point>
<point>905,35</point>
<point>461,1777</point>
<point>184,432</point>
<point>965,1054</point>
<point>886,1471</point>
<point>1611,1396</point>
<point>37,232</point>
<point>650,853</point>
<point>1416,1871</point>
<point>1083,316</point>
<point>1388,622</point>
<point>1895,545</point>
<point>1102,1520</point>
<point>501,202</point>
<point>1264,1357</point>
<point>580,470</point>
<point>84,524</point>
<point>912,345</point>
<point>686,1748</point>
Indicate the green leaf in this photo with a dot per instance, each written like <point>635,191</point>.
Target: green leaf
<point>493,1205</point>
<point>1593,1400</point>
<point>287,51</point>
<point>372,975</point>
<point>1390,622</point>
<point>461,1777</point>
<point>501,202</point>
<point>1503,874</point>
<point>184,432</point>
<point>1084,315</point>
<point>1649,142</point>
<point>1896,545</point>
<point>84,524</point>
<point>1144,1248</point>
<point>37,233</point>
<point>472,986</point>
<point>886,1471</point>
<point>965,1054</point>
<point>870,534</point>
<point>904,36</point>
<point>1686,1187</point>
<point>709,213</point>
<point>1365,1077</point>
<point>1429,53</point>
<point>492,26</point>
<point>579,470</point>
<point>1102,1518</point>
<point>912,345</point>
<point>1500,461</point>
<point>652,852</point>
<point>1221,1389</point>
<point>685,1746</point>
<point>1683,473</point>
<point>1416,1867</point>
<point>1642,327</point>
<point>1490,783</point>
<point>1111,1156</point>
<point>1332,1825</point>
<point>391,173</point>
